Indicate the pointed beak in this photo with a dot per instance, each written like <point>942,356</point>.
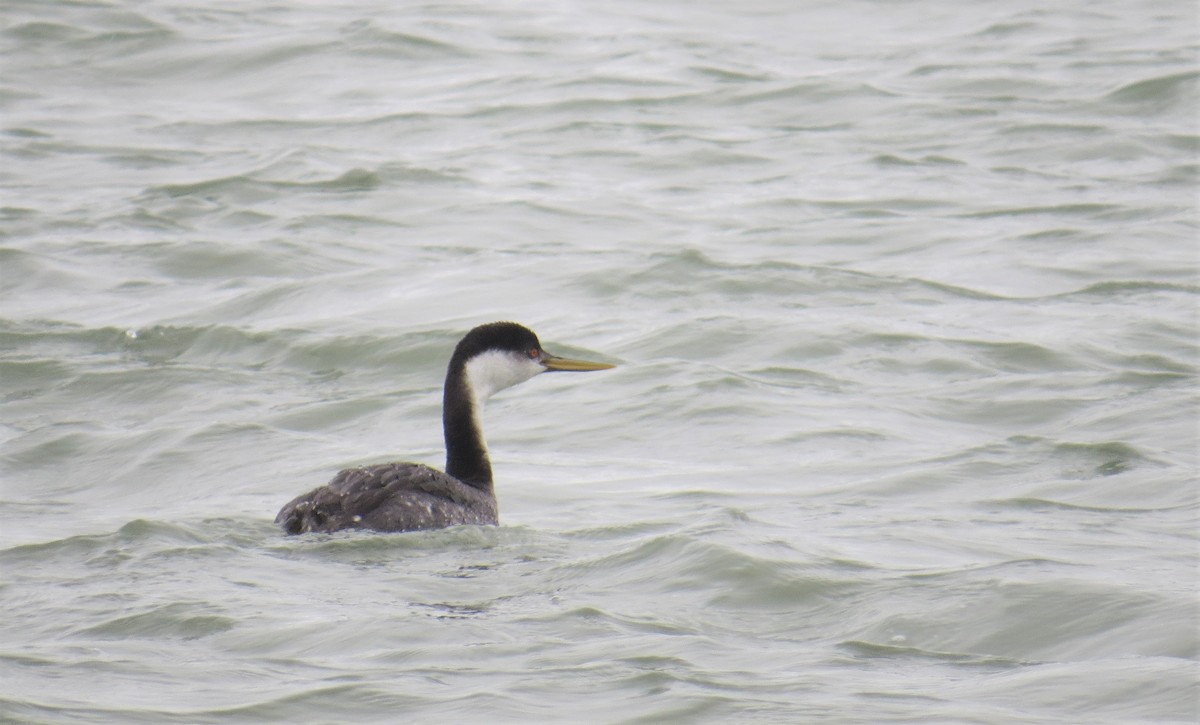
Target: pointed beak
<point>554,362</point>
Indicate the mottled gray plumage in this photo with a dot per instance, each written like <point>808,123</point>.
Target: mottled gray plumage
<point>388,497</point>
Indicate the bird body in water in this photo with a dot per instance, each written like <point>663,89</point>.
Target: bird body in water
<point>411,496</point>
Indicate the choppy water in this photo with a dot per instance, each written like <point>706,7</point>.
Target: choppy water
<point>904,298</point>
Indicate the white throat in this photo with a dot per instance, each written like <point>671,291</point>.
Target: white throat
<point>494,370</point>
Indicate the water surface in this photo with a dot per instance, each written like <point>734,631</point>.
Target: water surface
<point>903,298</point>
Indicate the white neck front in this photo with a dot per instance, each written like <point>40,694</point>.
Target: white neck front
<point>490,372</point>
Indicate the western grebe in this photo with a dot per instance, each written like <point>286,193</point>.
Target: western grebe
<point>410,496</point>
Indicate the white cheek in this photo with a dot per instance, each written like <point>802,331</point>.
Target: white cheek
<point>494,371</point>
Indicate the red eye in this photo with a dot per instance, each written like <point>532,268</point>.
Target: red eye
<point>533,354</point>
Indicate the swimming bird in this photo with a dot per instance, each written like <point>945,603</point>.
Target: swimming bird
<point>411,496</point>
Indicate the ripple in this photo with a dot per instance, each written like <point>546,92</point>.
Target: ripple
<point>172,621</point>
<point>1150,94</point>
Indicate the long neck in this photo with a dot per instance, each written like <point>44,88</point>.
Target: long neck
<point>466,452</point>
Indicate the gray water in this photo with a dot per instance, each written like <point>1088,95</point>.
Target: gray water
<point>903,298</point>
